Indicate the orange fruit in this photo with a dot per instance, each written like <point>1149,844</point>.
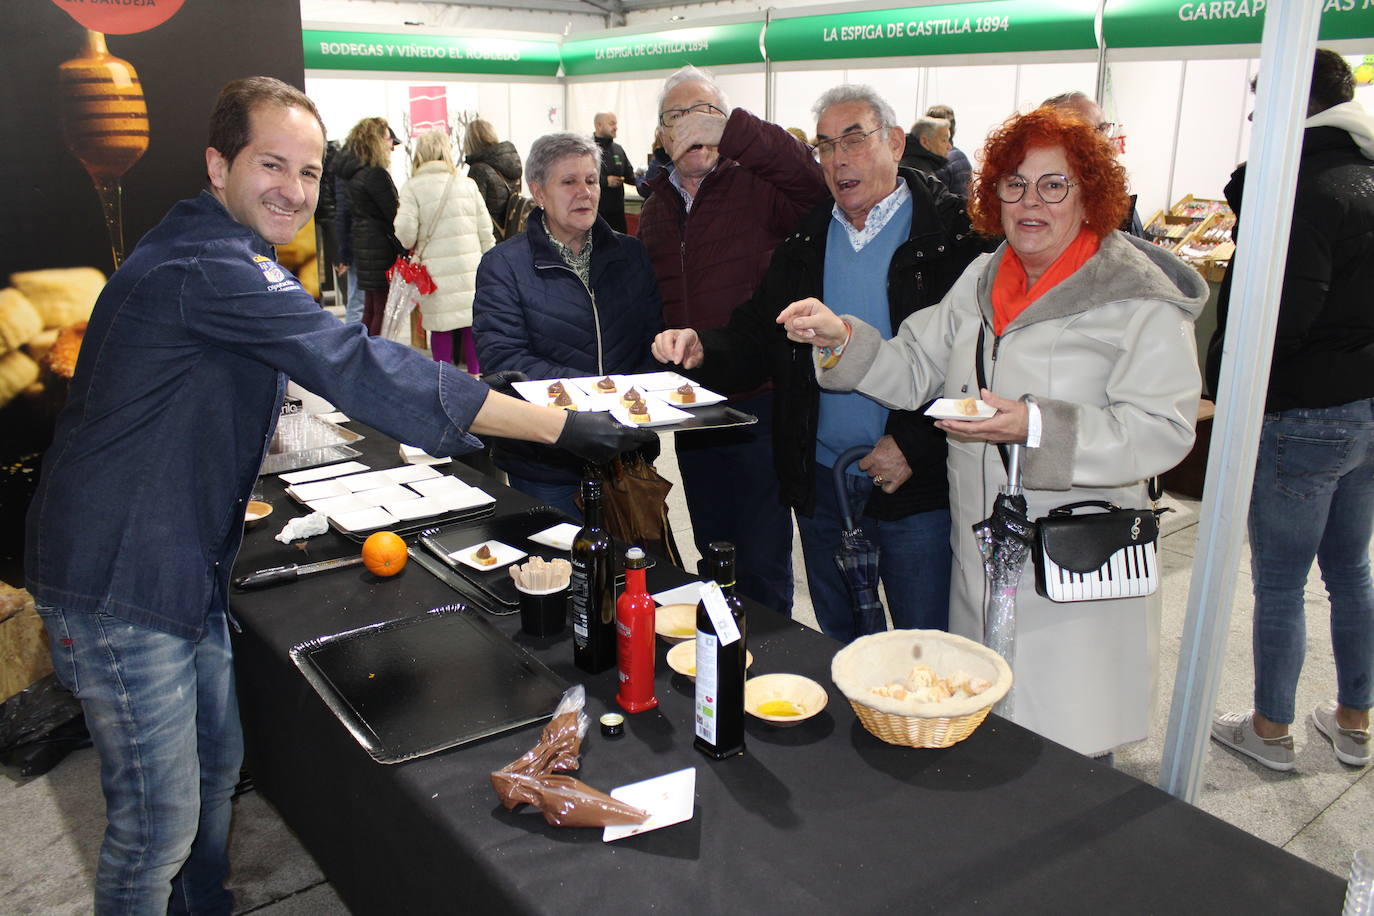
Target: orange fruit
<point>384,553</point>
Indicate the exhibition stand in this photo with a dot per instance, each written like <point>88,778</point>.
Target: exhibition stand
<point>821,816</point>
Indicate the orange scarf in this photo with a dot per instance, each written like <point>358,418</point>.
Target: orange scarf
<point>1009,294</point>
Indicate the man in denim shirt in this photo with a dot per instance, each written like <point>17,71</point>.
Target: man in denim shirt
<point>140,511</point>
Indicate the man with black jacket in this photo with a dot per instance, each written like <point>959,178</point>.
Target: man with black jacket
<point>888,242</point>
<point>1313,496</point>
<point>615,171</point>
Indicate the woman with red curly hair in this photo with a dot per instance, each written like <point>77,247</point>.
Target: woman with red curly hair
<point>1084,337</point>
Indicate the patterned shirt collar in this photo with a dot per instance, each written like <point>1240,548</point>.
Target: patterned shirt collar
<point>878,217</point>
<point>687,197</point>
<point>581,264</point>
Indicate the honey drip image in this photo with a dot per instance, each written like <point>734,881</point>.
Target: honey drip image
<point>105,121</point>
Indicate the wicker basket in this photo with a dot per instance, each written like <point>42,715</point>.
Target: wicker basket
<point>884,657</point>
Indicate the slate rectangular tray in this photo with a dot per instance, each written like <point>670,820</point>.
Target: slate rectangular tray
<point>410,687</point>
<point>513,529</point>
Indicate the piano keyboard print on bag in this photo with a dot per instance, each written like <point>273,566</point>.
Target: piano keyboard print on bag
<point>1131,572</point>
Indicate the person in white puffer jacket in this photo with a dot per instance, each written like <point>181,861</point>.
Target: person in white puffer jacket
<point>450,235</point>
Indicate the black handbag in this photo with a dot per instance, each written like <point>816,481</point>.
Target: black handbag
<point>1097,555</point>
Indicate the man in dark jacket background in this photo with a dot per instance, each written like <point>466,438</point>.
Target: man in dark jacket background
<point>958,171</point>
<point>738,186</point>
<point>1313,496</point>
<point>615,170</point>
<point>889,243</point>
<point>927,146</point>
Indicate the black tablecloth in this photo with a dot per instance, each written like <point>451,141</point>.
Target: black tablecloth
<point>820,817</point>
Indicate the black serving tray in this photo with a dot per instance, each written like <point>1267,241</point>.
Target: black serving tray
<point>513,529</point>
<point>410,687</point>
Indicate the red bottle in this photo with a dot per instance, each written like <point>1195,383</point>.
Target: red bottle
<point>634,637</point>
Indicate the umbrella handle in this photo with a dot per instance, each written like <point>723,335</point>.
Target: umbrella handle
<point>847,457</point>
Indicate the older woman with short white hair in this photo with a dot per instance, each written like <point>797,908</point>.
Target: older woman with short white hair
<point>569,297</point>
<point>443,218</point>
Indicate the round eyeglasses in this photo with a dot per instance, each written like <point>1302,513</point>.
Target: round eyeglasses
<point>1051,189</point>
<point>670,116</point>
<point>848,142</point>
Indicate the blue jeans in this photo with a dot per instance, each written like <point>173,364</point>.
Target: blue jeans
<point>353,306</point>
<point>732,495</point>
<point>914,560</point>
<point>558,495</point>
<point>1313,498</point>
<point>165,721</point>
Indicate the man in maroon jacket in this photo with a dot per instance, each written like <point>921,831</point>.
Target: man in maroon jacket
<point>737,187</point>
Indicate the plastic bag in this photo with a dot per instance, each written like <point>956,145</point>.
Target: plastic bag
<point>39,726</point>
<point>564,801</point>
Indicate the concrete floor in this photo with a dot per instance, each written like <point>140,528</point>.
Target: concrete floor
<point>52,825</point>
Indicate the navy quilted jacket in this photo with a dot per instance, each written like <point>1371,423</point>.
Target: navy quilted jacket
<point>532,313</point>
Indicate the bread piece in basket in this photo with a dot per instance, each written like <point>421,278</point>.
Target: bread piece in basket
<point>882,658</point>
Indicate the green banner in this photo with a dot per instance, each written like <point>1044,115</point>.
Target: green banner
<point>428,53</point>
<point>975,28</point>
<point>1172,23</point>
<point>708,46</point>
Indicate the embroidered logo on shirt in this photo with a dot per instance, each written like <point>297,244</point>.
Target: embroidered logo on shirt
<point>277,279</point>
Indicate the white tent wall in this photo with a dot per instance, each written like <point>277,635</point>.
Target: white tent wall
<point>635,103</point>
<point>520,111</point>
<point>447,16</point>
<point>982,96</point>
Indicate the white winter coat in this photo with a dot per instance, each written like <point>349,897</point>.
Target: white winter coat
<point>1109,357</point>
<point>461,235</point>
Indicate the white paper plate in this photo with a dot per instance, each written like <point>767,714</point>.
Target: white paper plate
<point>538,393</point>
<point>658,381</point>
<point>559,537</point>
<point>365,519</point>
<point>588,385</point>
<point>439,486</point>
<point>369,481</point>
<point>425,506</point>
<point>411,454</point>
<point>947,409</point>
<point>319,489</point>
<point>411,472</point>
<point>504,554</point>
<point>661,413</point>
<point>705,397</point>
<point>465,499</point>
<point>335,506</point>
<point>381,496</point>
<point>323,473</point>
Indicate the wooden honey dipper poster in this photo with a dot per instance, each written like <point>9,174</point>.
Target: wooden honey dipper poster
<point>104,116</point>
<point>106,105</point>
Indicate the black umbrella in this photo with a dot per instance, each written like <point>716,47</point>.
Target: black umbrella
<point>1004,540</point>
<point>857,557</point>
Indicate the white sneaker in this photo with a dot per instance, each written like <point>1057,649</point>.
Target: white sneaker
<point>1236,730</point>
<point>1350,744</point>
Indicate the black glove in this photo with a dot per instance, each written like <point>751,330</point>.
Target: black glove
<point>596,436</point>
<point>501,381</point>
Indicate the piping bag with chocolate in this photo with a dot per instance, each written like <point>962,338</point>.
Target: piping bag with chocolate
<point>565,801</point>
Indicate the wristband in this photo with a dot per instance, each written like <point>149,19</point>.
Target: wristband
<point>829,357</point>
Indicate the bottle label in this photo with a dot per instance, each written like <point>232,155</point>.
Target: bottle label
<point>708,681</point>
<point>581,599</point>
<point>719,612</point>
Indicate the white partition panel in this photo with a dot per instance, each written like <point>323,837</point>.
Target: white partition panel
<point>901,86</point>
<point>1209,127</point>
<point>982,98</point>
<point>1143,98</point>
<point>795,91</point>
<point>1042,81</point>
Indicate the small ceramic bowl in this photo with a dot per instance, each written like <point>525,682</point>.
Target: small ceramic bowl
<point>787,698</point>
<point>676,622</point>
<point>682,658</point>
<point>257,511</point>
